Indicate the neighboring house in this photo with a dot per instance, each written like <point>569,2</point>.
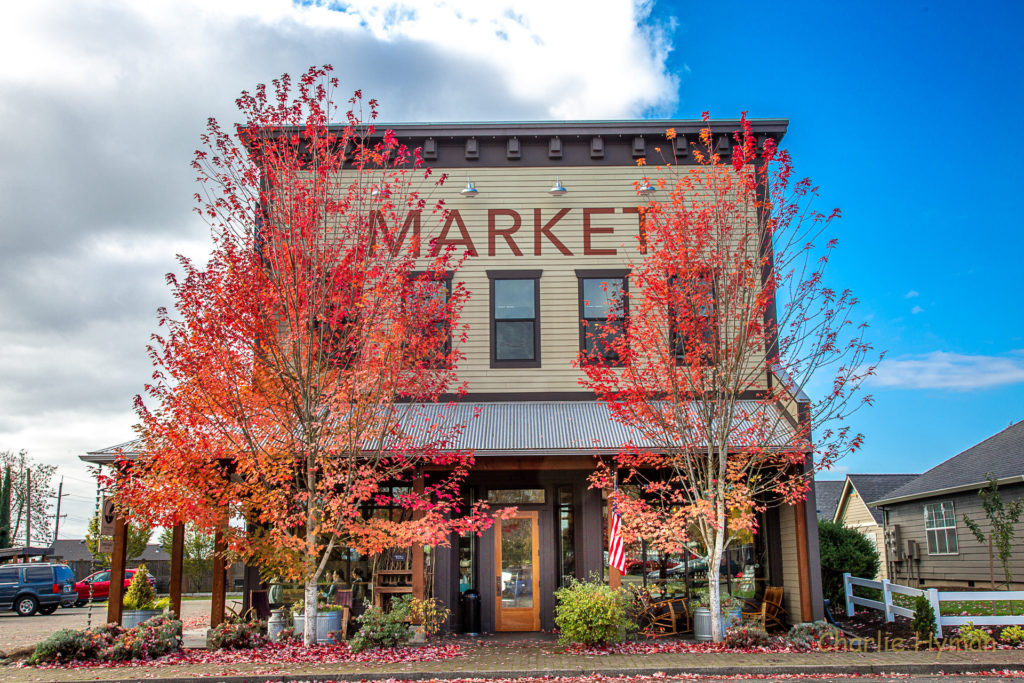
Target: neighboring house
<point>826,496</point>
<point>924,518</point>
<point>852,508</point>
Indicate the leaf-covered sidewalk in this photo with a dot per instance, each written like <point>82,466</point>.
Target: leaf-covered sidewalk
<point>495,658</point>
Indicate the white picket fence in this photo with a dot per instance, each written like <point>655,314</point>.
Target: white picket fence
<point>935,597</point>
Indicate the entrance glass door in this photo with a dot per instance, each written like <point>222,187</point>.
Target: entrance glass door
<point>516,581</point>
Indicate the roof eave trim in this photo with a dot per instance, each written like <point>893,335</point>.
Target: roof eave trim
<point>1015,479</point>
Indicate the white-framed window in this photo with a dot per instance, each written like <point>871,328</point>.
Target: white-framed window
<point>940,527</point>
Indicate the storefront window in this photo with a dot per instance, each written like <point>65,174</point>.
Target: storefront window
<point>516,496</point>
<point>566,536</point>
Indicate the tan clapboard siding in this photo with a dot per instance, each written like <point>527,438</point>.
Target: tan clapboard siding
<point>790,569</point>
<point>971,563</point>
<point>524,191</point>
<point>854,513</point>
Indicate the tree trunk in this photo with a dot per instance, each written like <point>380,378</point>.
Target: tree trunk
<point>715,586</point>
<point>309,631</point>
<point>991,566</point>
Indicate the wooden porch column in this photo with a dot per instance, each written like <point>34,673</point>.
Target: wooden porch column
<point>220,580</point>
<point>802,560</point>
<point>177,558</point>
<point>118,559</point>
<point>417,550</point>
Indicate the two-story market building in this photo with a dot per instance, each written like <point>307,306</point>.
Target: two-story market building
<point>547,212</point>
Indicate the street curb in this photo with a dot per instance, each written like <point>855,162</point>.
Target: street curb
<point>782,669</point>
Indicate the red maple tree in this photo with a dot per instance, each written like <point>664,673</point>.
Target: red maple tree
<point>292,373</point>
<point>726,320</point>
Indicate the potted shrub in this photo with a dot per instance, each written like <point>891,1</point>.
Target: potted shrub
<point>140,600</point>
<point>426,617</point>
<point>702,615</point>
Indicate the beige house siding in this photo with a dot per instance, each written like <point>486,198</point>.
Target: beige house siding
<point>853,512</point>
<point>603,198</point>
<point>971,562</point>
<point>790,569</point>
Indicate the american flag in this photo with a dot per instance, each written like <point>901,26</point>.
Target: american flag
<point>616,548</point>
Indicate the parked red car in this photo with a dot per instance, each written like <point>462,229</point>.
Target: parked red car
<point>96,586</point>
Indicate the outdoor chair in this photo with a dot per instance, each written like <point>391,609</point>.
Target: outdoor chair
<point>770,613</point>
<point>660,618</point>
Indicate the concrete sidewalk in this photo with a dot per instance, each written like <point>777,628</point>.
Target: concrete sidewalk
<point>526,658</point>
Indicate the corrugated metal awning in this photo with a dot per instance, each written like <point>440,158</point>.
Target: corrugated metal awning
<point>521,428</point>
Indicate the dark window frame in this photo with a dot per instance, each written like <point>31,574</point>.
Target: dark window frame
<point>449,278</point>
<point>604,275</point>
<point>675,338</point>
<point>534,275</point>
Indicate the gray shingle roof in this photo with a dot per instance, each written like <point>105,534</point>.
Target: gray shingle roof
<point>826,497</point>
<point>872,487</point>
<point>71,550</point>
<point>1001,454</point>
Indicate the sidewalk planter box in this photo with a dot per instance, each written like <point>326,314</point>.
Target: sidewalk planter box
<point>326,624</point>
<point>133,617</point>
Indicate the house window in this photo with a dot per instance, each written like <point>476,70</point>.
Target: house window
<point>604,305</point>
<point>431,332</point>
<point>940,526</point>
<point>515,319</point>
<point>692,330</point>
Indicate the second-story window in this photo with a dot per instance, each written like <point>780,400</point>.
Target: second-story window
<point>692,329</point>
<point>603,310</point>
<point>431,332</point>
<point>515,318</point>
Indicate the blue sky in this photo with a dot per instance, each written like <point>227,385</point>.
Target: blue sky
<point>906,115</point>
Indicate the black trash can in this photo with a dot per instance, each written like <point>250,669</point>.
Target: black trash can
<point>471,613</point>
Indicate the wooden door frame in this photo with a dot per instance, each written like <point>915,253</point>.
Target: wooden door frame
<point>534,516</point>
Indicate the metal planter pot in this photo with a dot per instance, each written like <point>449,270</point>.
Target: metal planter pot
<point>326,624</point>
<point>702,624</point>
<point>133,617</point>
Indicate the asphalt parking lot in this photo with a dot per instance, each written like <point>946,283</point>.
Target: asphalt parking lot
<point>18,631</point>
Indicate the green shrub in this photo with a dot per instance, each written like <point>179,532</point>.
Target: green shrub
<point>591,613</point>
<point>843,550</point>
<point>238,635</point>
<point>66,645</point>
<point>382,629</point>
<point>746,636</point>
<point>975,636</point>
<point>140,594</point>
<point>429,613</point>
<point>1012,635</point>
<point>110,643</point>
<point>924,617</point>
<point>811,635</point>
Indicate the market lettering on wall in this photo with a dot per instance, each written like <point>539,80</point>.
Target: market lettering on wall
<point>506,229</point>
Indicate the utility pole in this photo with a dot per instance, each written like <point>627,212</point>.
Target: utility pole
<point>28,507</point>
<point>56,519</point>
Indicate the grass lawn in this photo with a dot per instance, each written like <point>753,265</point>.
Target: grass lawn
<point>955,608</point>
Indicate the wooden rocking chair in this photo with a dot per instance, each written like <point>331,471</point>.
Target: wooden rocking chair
<point>771,613</point>
<point>661,618</point>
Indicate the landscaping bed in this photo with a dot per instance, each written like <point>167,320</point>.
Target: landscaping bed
<point>280,653</point>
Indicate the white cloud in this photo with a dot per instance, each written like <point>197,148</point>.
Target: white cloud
<point>916,309</point>
<point>911,294</point>
<point>951,371</point>
<point>103,101</point>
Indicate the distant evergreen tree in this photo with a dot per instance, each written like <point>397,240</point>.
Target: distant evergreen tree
<point>5,509</point>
